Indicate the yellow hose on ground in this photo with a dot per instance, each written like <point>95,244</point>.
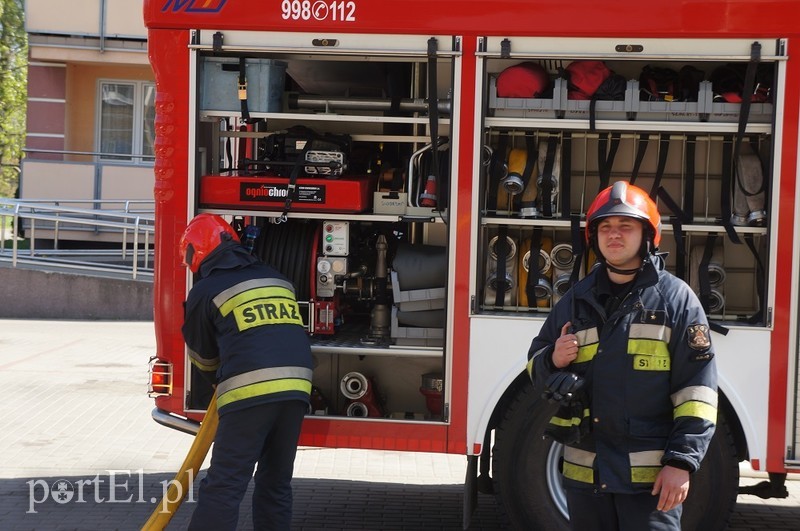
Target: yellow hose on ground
<point>179,487</point>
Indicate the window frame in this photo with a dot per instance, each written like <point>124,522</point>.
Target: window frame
<point>136,157</point>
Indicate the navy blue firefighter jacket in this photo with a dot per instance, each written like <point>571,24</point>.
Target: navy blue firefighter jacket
<point>242,322</point>
<point>651,380</point>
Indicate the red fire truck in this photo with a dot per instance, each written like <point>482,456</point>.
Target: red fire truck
<point>421,170</point>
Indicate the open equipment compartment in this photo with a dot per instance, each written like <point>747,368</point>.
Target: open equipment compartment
<point>364,236</point>
<point>546,158</point>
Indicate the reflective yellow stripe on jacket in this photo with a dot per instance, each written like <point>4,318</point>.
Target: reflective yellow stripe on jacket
<point>695,401</point>
<point>587,344</point>
<point>645,466</point>
<point>579,464</point>
<point>262,382</point>
<point>206,365</point>
<point>649,346</point>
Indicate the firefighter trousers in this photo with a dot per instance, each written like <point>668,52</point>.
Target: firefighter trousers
<point>592,511</point>
<point>264,435</point>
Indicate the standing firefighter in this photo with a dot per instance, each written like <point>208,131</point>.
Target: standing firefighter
<point>244,331</point>
<point>627,356</point>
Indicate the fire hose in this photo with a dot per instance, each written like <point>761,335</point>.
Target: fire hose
<point>179,487</point>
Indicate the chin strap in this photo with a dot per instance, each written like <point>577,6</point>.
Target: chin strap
<point>645,253</point>
<point>625,272</point>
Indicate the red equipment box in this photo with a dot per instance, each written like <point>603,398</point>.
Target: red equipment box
<point>346,194</point>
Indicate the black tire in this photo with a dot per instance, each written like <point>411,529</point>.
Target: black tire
<point>713,488</point>
<point>527,481</point>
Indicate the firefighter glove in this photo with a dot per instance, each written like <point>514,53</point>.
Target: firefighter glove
<point>562,387</point>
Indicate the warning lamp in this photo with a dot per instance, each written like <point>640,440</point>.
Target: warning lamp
<point>160,380</point>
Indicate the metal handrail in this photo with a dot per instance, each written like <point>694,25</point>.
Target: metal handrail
<point>102,154</point>
<point>131,217</point>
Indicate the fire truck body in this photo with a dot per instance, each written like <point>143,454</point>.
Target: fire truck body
<point>411,254</point>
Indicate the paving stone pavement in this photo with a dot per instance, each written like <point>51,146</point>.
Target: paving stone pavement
<point>75,414</point>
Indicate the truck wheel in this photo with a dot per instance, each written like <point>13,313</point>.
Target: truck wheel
<point>713,488</point>
<point>527,480</point>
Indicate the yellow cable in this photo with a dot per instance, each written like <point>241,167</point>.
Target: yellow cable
<point>179,487</point>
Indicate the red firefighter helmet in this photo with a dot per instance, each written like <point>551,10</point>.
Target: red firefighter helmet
<point>624,199</point>
<point>204,233</point>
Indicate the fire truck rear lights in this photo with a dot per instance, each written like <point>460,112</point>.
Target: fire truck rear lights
<point>160,380</point>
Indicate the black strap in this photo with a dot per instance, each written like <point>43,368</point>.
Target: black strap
<point>705,282</point>
<point>663,152</point>
<point>577,247</point>
<point>533,267</point>
<point>728,162</point>
<point>725,193</point>
<point>501,250</point>
<point>531,158</point>
<point>547,177</point>
<point>243,89</point>
<point>292,190</point>
<point>433,118</point>
<point>566,173</point>
<point>641,149</point>
<point>702,273</point>
<point>496,171</point>
<point>593,111</point>
<point>228,145</point>
<point>747,95</point>
<point>757,317</point>
<point>677,221</point>
<point>689,172</point>
<point>241,155</point>
<point>605,162</point>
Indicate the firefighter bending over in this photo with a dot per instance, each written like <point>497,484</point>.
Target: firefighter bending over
<point>627,356</point>
<point>244,332</point>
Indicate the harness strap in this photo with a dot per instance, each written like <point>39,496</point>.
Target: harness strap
<point>566,173</point>
<point>689,171</point>
<point>702,273</point>
<point>228,145</point>
<point>292,191</point>
<point>641,149</point>
<point>496,171</point>
<point>729,170</point>
<point>533,267</point>
<point>727,177</point>
<point>606,161</point>
<point>501,250</point>
<point>243,89</point>
<point>548,178</point>
<point>433,118</point>
<point>705,283</point>
<point>663,151</point>
<point>527,172</point>
<point>748,239</point>
<point>577,247</point>
<point>677,221</point>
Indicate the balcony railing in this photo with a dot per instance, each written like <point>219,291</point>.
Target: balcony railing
<point>130,257</point>
<point>90,18</point>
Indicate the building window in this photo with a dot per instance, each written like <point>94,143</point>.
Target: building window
<point>126,121</point>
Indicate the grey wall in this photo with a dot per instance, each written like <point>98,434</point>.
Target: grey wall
<point>30,294</point>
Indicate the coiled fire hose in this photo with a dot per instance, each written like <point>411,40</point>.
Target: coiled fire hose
<point>179,487</point>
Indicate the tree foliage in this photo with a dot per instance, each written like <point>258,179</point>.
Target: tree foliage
<point>13,92</point>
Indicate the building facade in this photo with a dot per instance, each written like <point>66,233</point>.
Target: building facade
<point>91,100</point>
